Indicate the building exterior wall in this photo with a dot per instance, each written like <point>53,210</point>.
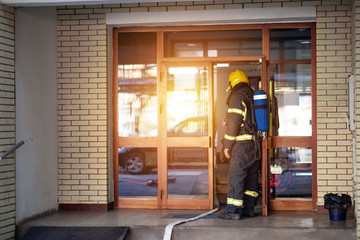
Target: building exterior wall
<point>333,50</point>
<point>7,122</point>
<point>356,71</point>
<point>83,92</point>
<point>36,111</point>
<point>83,106</point>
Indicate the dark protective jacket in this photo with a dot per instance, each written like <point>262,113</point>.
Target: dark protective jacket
<point>239,115</point>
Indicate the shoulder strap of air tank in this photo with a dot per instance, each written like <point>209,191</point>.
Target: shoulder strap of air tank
<point>252,128</point>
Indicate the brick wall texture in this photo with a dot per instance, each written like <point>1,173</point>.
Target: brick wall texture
<point>7,122</point>
<point>83,91</point>
<point>356,71</point>
<point>83,105</point>
<point>334,61</point>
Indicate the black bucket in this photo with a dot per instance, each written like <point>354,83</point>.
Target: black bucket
<point>337,214</point>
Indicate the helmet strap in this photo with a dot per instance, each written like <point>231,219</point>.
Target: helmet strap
<point>229,87</point>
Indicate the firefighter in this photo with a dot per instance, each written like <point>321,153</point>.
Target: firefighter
<point>239,147</point>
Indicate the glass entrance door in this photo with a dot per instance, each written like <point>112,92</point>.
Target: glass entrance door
<point>187,140</point>
<point>292,114</point>
<point>166,133</point>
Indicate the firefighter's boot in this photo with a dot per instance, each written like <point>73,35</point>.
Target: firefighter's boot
<point>229,215</point>
<point>249,212</point>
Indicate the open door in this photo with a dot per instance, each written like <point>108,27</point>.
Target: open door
<point>255,68</point>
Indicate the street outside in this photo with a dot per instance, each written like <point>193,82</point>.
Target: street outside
<point>182,183</point>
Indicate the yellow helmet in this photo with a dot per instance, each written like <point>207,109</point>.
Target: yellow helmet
<point>236,77</point>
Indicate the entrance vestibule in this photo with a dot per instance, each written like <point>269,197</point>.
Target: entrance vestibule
<point>169,106</point>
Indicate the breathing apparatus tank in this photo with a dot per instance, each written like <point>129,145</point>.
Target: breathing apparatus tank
<point>261,110</point>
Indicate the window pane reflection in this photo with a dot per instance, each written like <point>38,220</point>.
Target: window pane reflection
<point>137,100</point>
<point>137,84</point>
<point>293,99</point>
<point>213,43</point>
<point>290,77</point>
<point>290,44</point>
<point>291,172</point>
<point>187,101</point>
<point>188,176</point>
<point>137,172</point>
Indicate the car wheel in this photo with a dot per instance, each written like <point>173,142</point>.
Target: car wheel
<point>135,163</point>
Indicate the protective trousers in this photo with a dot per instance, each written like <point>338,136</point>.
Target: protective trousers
<point>243,177</point>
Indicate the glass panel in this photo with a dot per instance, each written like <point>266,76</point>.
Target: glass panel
<point>290,44</point>
<point>291,172</point>
<point>187,101</point>
<point>188,175</point>
<point>214,43</point>
<point>137,172</point>
<point>137,85</point>
<point>221,82</point>
<point>188,49</point>
<point>292,89</point>
<point>136,48</point>
<point>193,126</point>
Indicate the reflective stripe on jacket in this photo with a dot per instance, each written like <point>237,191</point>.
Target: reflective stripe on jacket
<point>239,138</point>
<point>237,115</point>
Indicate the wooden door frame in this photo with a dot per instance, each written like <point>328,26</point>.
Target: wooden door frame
<point>147,203</point>
<point>311,141</point>
<point>156,141</point>
<point>202,142</point>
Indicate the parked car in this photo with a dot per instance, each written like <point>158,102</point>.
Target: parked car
<point>137,160</point>
<point>140,160</point>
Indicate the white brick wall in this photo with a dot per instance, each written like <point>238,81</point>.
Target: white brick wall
<point>7,122</point>
<point>83,105</point>
<point>356,67</point>
<point>333,66</point>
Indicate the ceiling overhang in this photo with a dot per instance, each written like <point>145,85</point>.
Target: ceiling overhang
<point>213,17</point>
